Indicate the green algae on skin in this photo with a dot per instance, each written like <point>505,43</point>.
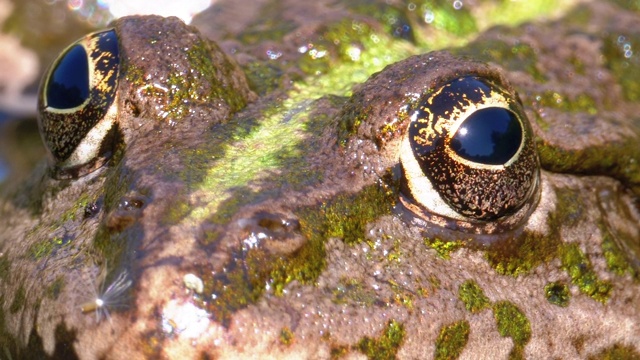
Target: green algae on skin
<point>188,89</point>
<point>557,293</point>
<point>579,268</point>
<point>472,296</point>
<point>555,100</point>
<point>616,258</point>
<point>617,352</point>
<point>452,340</point>
<point>386,346</point>
<point>286,336</point>
<point>513,323</point>
<point>346,217</point>
<point>79,205</point>
<point>444,248</point>
<point>361,51</point>
<point>517,256</point>
<point>44,248</point>
<point>618,159</point>
<point>238,285</point>
<point>242,281</point>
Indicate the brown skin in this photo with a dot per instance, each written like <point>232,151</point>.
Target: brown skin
<point>138,218</point>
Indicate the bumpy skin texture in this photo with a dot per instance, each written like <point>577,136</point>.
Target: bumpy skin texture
<point>348,271</point>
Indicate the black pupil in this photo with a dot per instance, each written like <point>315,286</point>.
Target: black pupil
<point>489,136</point>
<point>69,82</point>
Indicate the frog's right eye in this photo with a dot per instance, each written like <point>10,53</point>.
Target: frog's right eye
<point>77,105</point>
<point>469,154</point>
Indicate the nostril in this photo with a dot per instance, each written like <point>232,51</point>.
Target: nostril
<point>278,224</point>
<point>130,203</point>
<point>133,108</point>
<point>92,209</point>
<point>129,210</point>
<point>276,233</point>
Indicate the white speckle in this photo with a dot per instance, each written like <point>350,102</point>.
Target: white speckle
<point>192,282</point>
<point>273,54</point>
<point>185,319</point>
<point>429,16</point>
<point>354,53</point>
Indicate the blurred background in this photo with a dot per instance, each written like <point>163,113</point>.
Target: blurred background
<point>32,34</point>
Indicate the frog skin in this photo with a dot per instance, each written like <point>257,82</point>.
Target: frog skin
<point>236,223</point>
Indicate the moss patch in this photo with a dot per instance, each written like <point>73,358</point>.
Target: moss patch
<point>452,340</point>
<point>386,346</point>
<point>512,323</point>
<point>444,248</point>
<point>617,352</point>
<point>244,277</point>
<point>472,296</point>
<point>616,258</point>
<point>286,336</point>
<point>557,293</point>
<point>345,217</point>
<point>182,91</point>
<point>555,100</point>
<point>619,159</point>
<point>79,205</point>
<point>46,247</point>
<point>240,284</point>
<point>519,255</point>
<point>579,268</point>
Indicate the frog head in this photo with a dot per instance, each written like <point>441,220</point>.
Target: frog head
<point>193,218</point>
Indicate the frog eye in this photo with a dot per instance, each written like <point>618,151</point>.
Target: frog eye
<point>469,152</point>
<point>77,105</point>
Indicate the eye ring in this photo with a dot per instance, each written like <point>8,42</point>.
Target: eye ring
<point>77,105</point>
<point>469,155</point>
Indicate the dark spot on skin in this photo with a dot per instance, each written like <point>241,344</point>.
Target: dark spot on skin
<point>129,204</point>
<point>92,209</point>
<point>557,293</point>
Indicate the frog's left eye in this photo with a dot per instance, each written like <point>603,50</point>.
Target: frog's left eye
<point>469,153</point>
<point>77,105</point>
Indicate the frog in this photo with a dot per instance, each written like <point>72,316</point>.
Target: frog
<point>202,202</point>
